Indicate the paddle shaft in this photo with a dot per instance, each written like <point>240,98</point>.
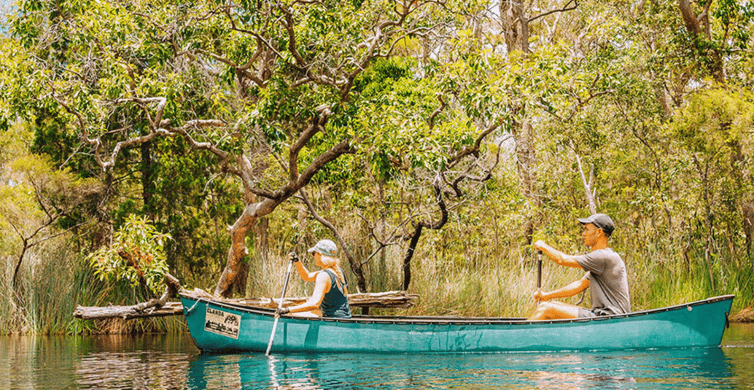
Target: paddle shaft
<point>280,306</point>
<point>539,270</point>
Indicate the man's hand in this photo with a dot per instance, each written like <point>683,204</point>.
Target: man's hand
<point>540,295</point>
<point>539,245</point>
<point>281,311</point>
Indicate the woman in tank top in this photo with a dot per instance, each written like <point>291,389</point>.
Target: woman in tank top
<point>330,288</point>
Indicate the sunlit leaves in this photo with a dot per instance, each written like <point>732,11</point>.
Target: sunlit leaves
<point>137,255</point>
<point>36,198</point>
<point>714,120</point>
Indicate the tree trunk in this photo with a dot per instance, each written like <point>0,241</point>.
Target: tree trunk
<point>588,186</point>
<point>235,274</point>
<point>527,170</point>
<point>263,246</point>
<point>162,308</point>
<point>698,26</point>
<point>147,182</point>
<point>409,255</point>
<point>515,25</point>
<point>418,227</point>
<point>748,219</point>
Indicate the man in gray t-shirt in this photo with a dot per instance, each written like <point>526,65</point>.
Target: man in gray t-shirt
<point>606,275</point>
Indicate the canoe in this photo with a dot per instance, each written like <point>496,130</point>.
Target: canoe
<point>218,326</point>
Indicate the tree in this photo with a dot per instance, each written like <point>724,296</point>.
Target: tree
<point>37,204</point>
<point>713,129</point>
<point>265,88</point>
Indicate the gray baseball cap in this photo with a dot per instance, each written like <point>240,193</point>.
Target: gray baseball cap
<point>325,247</point>
<point>601,221</point>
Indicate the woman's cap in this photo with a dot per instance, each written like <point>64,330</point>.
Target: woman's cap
<point>325,247</point>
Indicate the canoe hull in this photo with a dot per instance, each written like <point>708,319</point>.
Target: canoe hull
<point>221,327</point>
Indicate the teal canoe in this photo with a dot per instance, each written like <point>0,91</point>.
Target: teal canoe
<point>216,326</point>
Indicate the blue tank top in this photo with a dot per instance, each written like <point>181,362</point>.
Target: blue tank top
<point>335,303</point>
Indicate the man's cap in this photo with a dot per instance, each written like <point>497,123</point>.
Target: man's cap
<point>325,247</point>
<point>601,221</point>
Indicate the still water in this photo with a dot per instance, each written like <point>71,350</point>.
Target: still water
<point>172,362</point>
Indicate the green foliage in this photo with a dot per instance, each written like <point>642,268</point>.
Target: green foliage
<point>621,85</point>
<point>136,255</point>
<point>714,121</point>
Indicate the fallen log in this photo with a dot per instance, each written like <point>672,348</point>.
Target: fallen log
<point>389,299</point>
<point>157,307</point>
<point>745,315</point>
<point>126,312</point>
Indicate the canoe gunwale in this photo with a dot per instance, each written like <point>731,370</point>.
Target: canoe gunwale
<point>454,320</point>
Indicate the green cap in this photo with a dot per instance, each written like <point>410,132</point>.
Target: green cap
<point>325,247</point>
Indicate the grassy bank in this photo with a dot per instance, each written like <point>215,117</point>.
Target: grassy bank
<point>51,282</point>
<point>502,285</point>
<point>51,285</point>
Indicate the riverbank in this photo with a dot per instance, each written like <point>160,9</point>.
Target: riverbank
<point>501,286</point>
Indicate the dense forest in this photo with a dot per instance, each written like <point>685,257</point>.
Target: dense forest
<point>433,140</point>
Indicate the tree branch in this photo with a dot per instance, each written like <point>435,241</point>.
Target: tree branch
<point>564,9</point>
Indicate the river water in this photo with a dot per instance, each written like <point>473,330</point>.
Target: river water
<point>173,362</point>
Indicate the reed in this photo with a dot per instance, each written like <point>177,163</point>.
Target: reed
<point>503,284</point>
<point>449,281</point>
<point>52,281</point>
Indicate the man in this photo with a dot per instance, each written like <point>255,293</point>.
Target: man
<point>606,275</point>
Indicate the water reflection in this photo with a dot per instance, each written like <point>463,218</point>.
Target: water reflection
<point>692,368</point>
<point>172,362</point>
<point>144,362</point>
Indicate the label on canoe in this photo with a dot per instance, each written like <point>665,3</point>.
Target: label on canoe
<point>222,323</point>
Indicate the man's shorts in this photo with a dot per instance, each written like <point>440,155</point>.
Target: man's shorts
<point>591,313</point>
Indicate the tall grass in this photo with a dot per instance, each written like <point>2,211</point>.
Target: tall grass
<point>502,284</point>
<point>52,281</point>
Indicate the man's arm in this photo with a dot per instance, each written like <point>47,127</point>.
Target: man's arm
<point>566,291</point>
<point>557,256</point>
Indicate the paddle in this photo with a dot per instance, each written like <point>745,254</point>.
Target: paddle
<point>294,258</point>
<point>539,270</point>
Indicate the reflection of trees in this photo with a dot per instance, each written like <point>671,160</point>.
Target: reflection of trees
<point>132,362</point>
<point>95,362</point>
<point>134,370</point>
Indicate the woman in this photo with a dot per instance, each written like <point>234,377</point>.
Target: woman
<point>330,288</point>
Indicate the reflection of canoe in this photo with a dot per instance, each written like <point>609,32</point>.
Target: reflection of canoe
<point>692,368</point>
<point>219,326</point>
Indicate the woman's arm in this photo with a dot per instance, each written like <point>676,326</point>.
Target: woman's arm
<point>304,273</point>
<point>321,287</point>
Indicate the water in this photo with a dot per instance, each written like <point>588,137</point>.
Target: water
<point>172,362</point>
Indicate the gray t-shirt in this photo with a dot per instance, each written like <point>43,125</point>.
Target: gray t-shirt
<point>607,280</point>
